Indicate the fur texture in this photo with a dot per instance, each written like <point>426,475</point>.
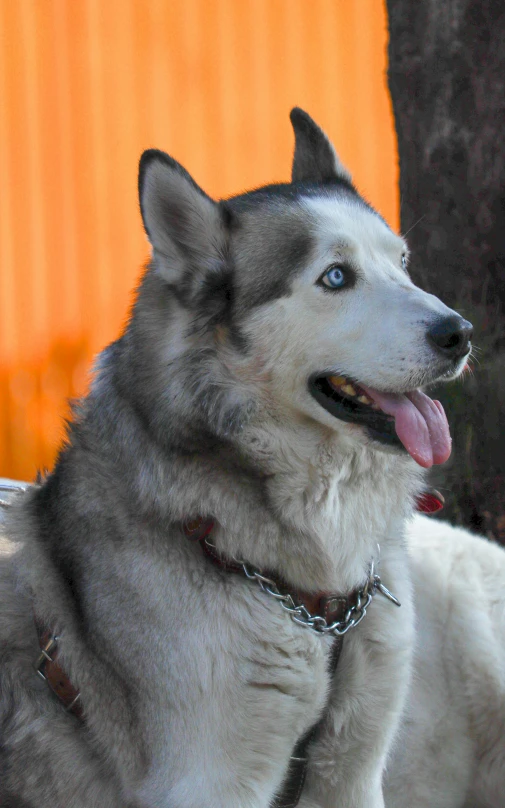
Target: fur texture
<point>450,751</point>
<point>195,685</point>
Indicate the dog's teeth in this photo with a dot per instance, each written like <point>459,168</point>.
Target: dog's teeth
<point>349,389</point>
<point>364,400</point>
<point>337,381</point>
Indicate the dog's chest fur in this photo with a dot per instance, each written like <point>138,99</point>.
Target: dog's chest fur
<point>245,675</point>
<point>213,665</point>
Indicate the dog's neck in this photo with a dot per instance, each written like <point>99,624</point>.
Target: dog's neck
<point>325,506</point>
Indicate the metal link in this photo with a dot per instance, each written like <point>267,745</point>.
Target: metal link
<point>45,655</point>
<point>301,615</point>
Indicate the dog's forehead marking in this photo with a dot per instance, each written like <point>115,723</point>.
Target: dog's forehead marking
<point>348,225</point>
<point>273,246</point>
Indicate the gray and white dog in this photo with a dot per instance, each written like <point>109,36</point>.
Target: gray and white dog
<point>267,381</point>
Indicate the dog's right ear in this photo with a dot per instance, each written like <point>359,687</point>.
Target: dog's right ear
<point>183,224</point>
<point>315,158</point>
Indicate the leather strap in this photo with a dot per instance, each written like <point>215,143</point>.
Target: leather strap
<point>49,669</point>
<point>289,796</point>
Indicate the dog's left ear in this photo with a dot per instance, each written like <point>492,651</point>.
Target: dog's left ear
<point>315,159</point>
<point>186,227</point>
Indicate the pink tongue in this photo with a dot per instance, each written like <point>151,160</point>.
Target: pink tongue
<point>420,424</point>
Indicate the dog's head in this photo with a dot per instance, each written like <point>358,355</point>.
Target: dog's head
<point>296,298</point>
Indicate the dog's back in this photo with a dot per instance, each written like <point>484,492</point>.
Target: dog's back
<point>450,749</point>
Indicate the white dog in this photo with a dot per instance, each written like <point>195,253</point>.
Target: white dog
<point>450,751</point>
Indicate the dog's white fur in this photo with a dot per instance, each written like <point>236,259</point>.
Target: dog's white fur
<point>450,751</point>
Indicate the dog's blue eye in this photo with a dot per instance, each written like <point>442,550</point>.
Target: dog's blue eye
<point>334,278</point>
<point>404,263</point>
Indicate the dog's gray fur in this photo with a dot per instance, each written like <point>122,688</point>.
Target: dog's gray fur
<point>195,685</point>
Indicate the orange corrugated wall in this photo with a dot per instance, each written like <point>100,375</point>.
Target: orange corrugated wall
<point>85,86</point>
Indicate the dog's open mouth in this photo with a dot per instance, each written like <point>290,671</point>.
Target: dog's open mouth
<point>410,420</point>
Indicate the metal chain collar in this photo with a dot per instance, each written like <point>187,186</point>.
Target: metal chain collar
<point>301,615</point>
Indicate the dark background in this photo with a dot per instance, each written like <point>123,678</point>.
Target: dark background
<point>447,82</point>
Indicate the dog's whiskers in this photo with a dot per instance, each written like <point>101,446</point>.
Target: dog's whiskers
<point>404,235</point>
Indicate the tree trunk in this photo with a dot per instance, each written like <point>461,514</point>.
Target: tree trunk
<point>447,82</point>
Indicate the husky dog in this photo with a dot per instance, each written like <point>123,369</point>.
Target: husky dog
<point>268,381</point>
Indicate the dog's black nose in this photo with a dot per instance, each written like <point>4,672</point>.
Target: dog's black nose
<point>451,336</point>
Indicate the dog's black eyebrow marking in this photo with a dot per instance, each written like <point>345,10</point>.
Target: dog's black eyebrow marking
<point>272,238</point>
<point>279,262</point>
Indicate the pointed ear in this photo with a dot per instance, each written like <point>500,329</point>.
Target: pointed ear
<point>183,224</point>
<point>315,159</point>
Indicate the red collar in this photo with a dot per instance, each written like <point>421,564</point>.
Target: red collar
<point>430,501</point>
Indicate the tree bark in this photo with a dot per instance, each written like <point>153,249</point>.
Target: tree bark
<point>447,82</point>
